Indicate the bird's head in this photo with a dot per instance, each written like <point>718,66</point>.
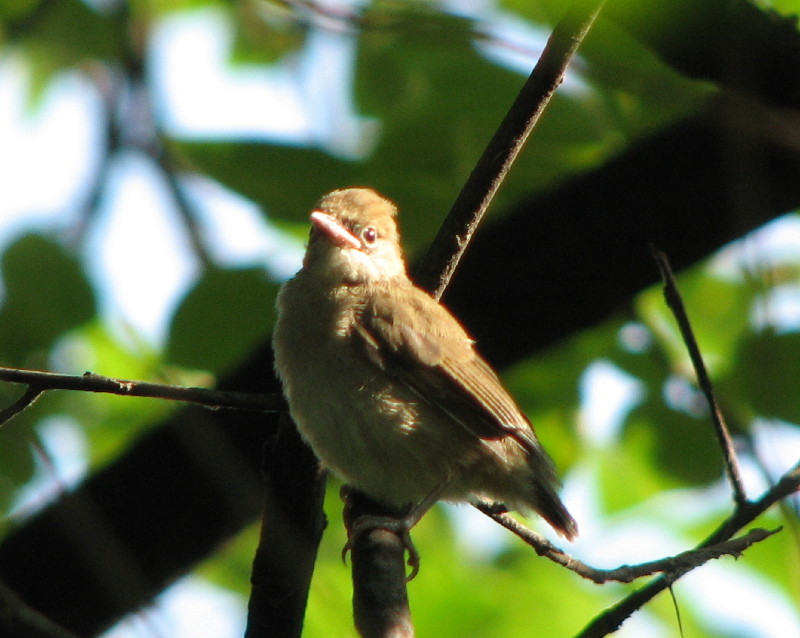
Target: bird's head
<point>354,238</point>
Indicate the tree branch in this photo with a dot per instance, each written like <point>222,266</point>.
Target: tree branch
<point>717,544</point>
<point>380,595</point>
<point>439,264</point>
<point>745,511</point>
<point>611,619</point>
<point>292,524</point>
<point>39,382</point>
<point>675,303</point>
<point>20,405</point>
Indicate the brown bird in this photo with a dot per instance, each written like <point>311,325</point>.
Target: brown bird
<point>385,384</point>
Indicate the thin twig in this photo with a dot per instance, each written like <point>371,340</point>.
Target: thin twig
<point>20,405</point>
<point>611,619</point>
<point>675,302</point>
<point>717,544</point>
<point>628,573</point>
<point>90,382</point>
<point>167,165</point>
<point>467,211</point>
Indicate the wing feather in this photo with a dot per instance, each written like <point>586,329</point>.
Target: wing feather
<point>419,343</point>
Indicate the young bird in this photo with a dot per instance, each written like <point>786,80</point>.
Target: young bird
<point>385,384</point>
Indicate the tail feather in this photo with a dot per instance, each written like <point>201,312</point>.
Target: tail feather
<point>545,499</point>
<point>551,509</point>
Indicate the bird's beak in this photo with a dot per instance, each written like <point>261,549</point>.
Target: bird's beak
<point>334,231</point>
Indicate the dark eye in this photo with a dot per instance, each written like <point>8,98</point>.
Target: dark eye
<point>369,235</point>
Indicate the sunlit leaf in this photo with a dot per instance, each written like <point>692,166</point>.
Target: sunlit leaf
<point>222,318</point>
<point>45,294</point>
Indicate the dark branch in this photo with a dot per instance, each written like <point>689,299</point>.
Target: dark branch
<point>292,524</point>
<point>626,573</point>
<point>439,264</point>
<point>90,382</point>
<point>675,302</point>
<point>20,405</point>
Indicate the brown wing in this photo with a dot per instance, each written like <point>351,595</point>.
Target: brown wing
<point>419,343</point>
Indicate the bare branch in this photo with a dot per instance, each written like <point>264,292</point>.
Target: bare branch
<point>20,405</point>
<point>438,265</point>
<point>672,568</point>
<point>89,382</point>
<point>717,544</point>
<point>611,619</point>
<point>675,302</point>
<point>292,523</point>
<point>625,573</point>
<point>380,594</point>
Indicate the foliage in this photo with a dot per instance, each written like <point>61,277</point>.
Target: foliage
<point>427,91</point>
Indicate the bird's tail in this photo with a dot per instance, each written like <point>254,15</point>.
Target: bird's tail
<point>551,509</point>
<point>545,499</point>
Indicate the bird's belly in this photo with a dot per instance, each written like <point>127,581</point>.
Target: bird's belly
<point>375,434</point>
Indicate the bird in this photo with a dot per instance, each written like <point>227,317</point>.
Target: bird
<point>388,388</point>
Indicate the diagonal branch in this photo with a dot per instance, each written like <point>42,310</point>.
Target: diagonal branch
<point>28,398</point>
<point>439,263</point>
<point>674,301</point>
<point>717,544</point>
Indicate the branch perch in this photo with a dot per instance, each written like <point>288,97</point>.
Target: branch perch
<point>675,303</point>
<point>39,382</point>
<point>717,544</point>
<point>440,262</point>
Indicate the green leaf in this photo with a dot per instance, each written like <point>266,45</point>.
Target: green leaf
<point>264,33</point>
<point>767,370</point>
<point>221,319</point>
<point>641,478</point>
<point>251,169</point>
<point>46,294</point>
<point>17,464</point>
<point>683,446</point>
<point>63,34</point>
<point>10,12</point>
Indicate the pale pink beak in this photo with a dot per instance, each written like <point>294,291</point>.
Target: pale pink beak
<point>334,231</point>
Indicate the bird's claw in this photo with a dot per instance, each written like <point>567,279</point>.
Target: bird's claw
<point>399,526</point>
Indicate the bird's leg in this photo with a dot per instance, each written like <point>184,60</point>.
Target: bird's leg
<point>399,525</point>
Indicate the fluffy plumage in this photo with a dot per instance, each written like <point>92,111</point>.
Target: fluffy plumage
<point>386,385</point>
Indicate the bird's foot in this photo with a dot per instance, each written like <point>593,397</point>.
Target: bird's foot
<point>399,526</point>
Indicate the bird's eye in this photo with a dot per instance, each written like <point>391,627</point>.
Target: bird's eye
<point>369,235</point>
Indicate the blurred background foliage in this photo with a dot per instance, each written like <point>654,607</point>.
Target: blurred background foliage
<point>402,96</point>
